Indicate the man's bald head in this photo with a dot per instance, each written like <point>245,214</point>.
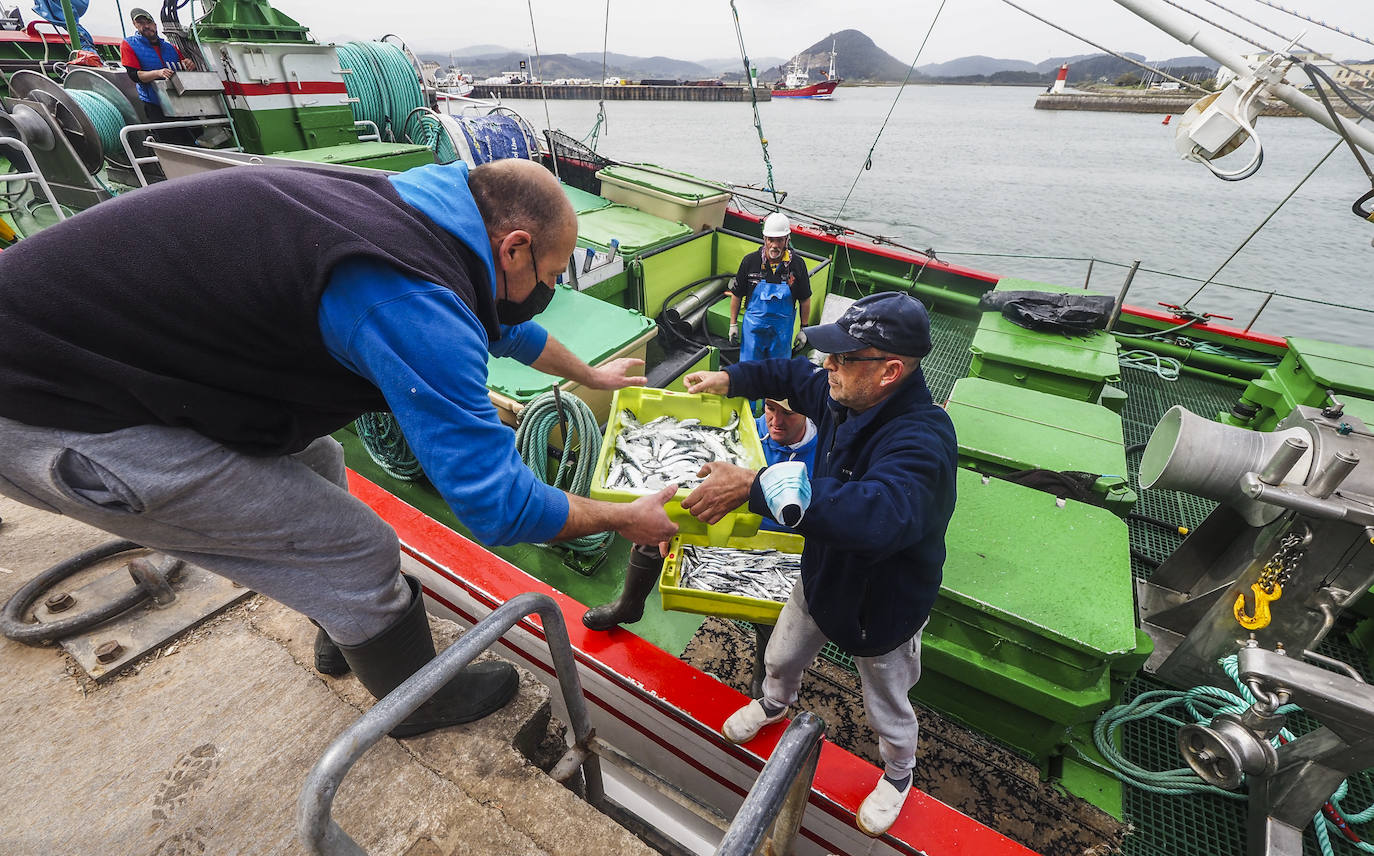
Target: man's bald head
<point>516,194</point>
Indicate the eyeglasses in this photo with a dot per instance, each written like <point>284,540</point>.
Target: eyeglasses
<point>841,359</point>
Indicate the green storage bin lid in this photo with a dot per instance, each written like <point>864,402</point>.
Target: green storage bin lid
<point>1017,428</point>
<point>582,201</point>
<point>1344,367</point>
<point>1093,357</point>
<point>665,181</point>
<point>1015,555</point>
<point>365,153</point>
<point>1013,284</point>
<point>635,230</point>
<point>590,328</point>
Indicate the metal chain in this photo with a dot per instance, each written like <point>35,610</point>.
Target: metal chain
<point>1280,567</point>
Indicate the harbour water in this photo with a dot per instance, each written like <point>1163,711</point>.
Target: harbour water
<point>987,181</point>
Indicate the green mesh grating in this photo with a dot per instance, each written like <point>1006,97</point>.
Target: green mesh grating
<point>949,358</point>
<point>1206,825</point>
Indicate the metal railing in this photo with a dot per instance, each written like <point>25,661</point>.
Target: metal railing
<point>777,800</point>
<point>314,825</point>
<point>32,175</point>
<point>128,144</point>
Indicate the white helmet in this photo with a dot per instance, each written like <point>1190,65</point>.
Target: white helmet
<point>776,225</point>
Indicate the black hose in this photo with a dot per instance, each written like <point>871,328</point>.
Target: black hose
<point>13,625</point>
<point>1155,521</point>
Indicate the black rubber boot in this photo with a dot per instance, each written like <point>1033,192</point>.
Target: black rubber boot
<point>329,660</point>
<point>762,633</point>
<point>385,661</point>
<point>641,575</point>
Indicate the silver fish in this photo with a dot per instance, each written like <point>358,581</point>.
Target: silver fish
<point>760,574</point>
<point>665,450</point>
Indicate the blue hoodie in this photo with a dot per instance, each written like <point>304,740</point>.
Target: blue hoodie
<point>427,353</point>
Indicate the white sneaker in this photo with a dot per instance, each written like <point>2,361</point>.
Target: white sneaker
<point>745,723</point>
<point>880,808</point>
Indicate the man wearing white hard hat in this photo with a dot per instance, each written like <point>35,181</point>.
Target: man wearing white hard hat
<point>771,284</point>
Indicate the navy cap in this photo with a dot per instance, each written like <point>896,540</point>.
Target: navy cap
<point>890,321</point>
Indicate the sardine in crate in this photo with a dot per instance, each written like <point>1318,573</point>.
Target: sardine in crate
<point>647,404</point>
<point>683,599</point>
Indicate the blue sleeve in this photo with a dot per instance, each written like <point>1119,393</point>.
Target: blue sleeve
<point>427,353</point>
<point>523,342</point>
<point>795,379</point>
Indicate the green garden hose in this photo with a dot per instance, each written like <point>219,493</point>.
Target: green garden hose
<point>581,443</point>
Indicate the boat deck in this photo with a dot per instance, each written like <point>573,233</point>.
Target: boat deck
<point>1159,824</point>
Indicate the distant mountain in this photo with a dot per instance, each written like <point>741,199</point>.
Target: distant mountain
<point>857,58</point>
<point>975,65</point>
<point>733,64</point>
<point>654,66</point>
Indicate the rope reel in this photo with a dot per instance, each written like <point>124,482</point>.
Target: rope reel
<point>89,110</point>
<point>382,85</point>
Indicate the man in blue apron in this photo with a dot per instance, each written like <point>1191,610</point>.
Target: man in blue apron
<point>770,284</point>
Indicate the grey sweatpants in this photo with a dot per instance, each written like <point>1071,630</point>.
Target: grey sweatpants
<point>284,526</point>
<point>886,680</point>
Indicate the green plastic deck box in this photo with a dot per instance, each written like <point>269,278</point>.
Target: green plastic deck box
<point>672,195</point>
<point>1034,630</point>
<point>1004,428</point>
<point>634,231</point>
<point>592,329</point>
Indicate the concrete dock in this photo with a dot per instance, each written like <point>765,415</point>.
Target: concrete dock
<point>202,746</point>
<point>634,92</point>
<point>1145,102</point>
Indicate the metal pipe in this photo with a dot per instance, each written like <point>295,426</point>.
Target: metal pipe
<point>73,31</point>
<point>684,314</point>
<point>778,783</point>
<point>1121,295</point>
<point>1268,297</point>
<point>1185,31</point>
<point>1335,472</point>
<point>1285,458</point>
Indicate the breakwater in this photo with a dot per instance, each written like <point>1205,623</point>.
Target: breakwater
<point>568,92</point>
<point>1145,103</point>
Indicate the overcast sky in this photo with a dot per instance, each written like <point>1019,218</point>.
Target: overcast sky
<point>704,29</point>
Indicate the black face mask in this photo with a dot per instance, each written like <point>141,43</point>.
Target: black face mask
<point>511,312</point>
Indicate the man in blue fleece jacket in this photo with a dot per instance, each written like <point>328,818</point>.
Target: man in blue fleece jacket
<point>880,498</point>
<point>183,399</point>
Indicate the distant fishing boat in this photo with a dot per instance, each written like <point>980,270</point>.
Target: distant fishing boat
<point>797,83</point>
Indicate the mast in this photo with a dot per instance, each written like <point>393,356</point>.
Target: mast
<point>1183,30</point>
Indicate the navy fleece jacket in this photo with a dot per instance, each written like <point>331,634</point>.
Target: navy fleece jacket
<point>427,353</point>
<point>882,494</point>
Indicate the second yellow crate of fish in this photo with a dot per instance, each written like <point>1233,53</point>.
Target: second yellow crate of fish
<point>647,404</point>
<point>685,599</point>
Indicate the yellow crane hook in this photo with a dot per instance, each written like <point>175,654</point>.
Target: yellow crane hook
<point>1263,598</point>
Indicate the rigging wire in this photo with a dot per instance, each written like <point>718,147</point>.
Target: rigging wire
<point>868,161</point>
<point>1264,222</point>
<point>753,98</point>
<point>1123,57</point>
<point>543,93</point>
<point>591,137</point>
<point>1274,32</point>
<point>1330,27</point>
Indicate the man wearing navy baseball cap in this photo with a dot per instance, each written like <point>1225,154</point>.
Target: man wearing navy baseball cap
<point>874,510</point>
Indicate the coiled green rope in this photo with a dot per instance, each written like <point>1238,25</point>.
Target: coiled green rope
<point>423,127</point>
<point>1202,704</point>
<point>104,115</point>
<point>581,443</point>
<point>382,83</point>
<point>387,446</point>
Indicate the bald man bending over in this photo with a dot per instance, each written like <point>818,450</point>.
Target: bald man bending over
<point>183,398</point>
